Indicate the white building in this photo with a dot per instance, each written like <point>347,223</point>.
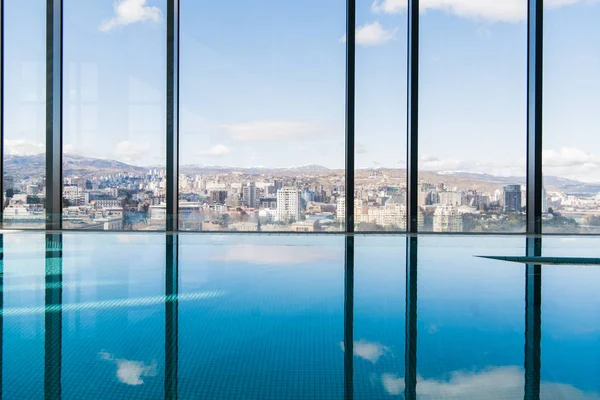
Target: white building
<point>75,195</point>
<point>450,198</point>
<point>447,219</point>
<point>288,204</point>
<point>340,211</point>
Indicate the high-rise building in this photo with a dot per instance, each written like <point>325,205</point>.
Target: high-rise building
<point>288,204</point>
<point>218,196</point>
<point>450,198</point>
<point>544,200</point>
<point>249,195</point>
<point>512,198</point>
<point>340,211</point>
<point>447,219</point>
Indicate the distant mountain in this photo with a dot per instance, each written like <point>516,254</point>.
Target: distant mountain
<point>500,180</point>
<point>551,183</point>
<point>311,169</point>
<point>35,165</point>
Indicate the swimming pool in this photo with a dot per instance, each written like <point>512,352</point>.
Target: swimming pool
<point>188,316</point>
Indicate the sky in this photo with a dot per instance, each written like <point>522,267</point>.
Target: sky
<point>262,83</point>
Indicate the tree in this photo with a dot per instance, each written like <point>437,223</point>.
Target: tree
<point>10,192</point>
<point>66,202</point>
<point>593,220</point>
<point>224,220</point>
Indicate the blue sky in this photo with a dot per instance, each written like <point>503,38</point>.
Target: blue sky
<point>262,83</point>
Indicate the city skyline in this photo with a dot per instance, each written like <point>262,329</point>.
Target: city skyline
<point>258,108</point>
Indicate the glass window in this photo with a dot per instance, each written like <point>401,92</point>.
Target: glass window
<point>114,115</point>
<point>380,132</point>
<point>24,114</point>
<point>262,115</point>
<point>571,155</point>
<point>472,123</point>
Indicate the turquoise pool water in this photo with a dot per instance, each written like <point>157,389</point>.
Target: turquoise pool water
<point>151,316</point>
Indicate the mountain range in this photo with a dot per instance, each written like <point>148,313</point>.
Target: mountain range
<point>74,165</point>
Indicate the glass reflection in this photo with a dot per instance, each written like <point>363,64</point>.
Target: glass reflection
<point>294,317</point>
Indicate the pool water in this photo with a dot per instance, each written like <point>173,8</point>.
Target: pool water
<point>188,316</point>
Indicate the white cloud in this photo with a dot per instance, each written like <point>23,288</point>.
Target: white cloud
<point>216,151</point>
<point>572,163</point>
<point>131,372</point>
<point>23,147</point>
<point>372,34</point>
<point>361,149</point>
<point>568,157</point>
<point>504,382</point>
<point>433,163</point>
<point>370,351</point>
<point>130,11</point>
<point>275,255</point>
<point>129,151</point>
<point>490,10</point>
<point>69,148</point>
<point>272,130</point>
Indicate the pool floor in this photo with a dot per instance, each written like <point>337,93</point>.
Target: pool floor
<point>155,316</point>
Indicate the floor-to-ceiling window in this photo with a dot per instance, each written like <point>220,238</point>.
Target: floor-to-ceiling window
<point>24,114</point>
<point>571,142</point>
<point>114,115</point>
<point>380,119</point>
<point>261,115</point>
<point>472,122</point>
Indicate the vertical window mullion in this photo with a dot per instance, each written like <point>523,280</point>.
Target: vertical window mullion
<point>54,126</point>
<point>350,104</point>
<point>172,115</point>
<point>534,115</point>
<point>412,120</point>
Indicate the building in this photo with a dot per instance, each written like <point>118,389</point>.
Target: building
<point>288,205</point>
<point>512,198</point>
<point>450,198</point>
<point>33,190</point>
<point>218,196</point>
<point>306,226</point>
<point>268,202</point>
<point>447,219</point>
<point>107,203</point>
<point>243,226</point>
<point>249,195</point>
<point>544,200</point>
<point>158,213</point>
<point>340,211</point>
<point>75,195</point>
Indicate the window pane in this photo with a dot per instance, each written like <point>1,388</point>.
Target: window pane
<point>472,125</point>
<point>262,115</point>
<point>114,115</point>
<point>24,113</point>
<point>571,154</point>
<point>380,177</point>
